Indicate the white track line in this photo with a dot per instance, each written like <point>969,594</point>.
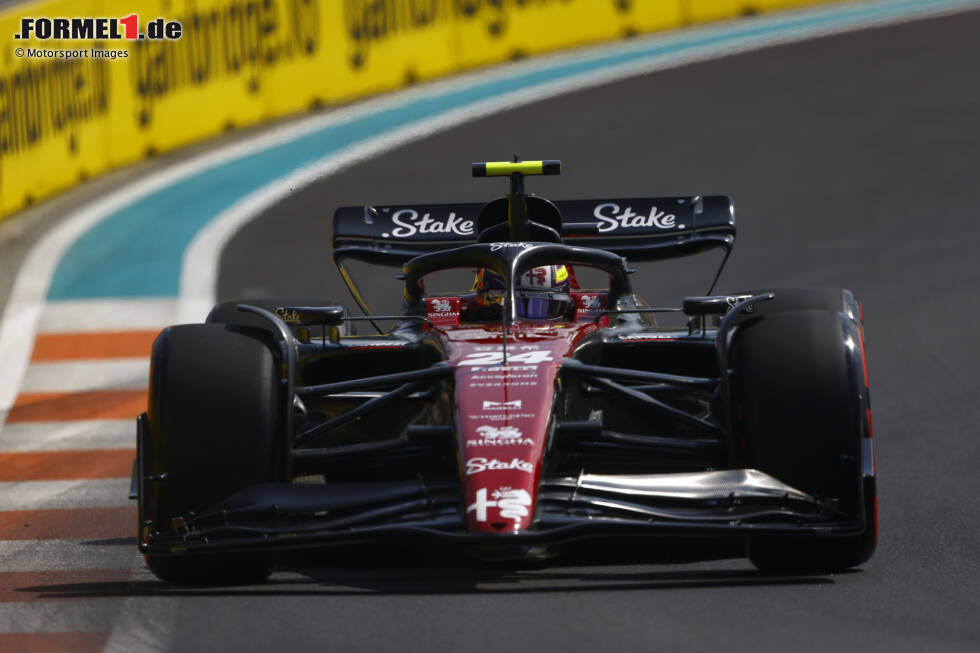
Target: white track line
<point>64,555</point>
<point>60,616</point>
<point>82,375</point>
<point>59,495</point>
<point>68,436</point>
<point>102,315</point>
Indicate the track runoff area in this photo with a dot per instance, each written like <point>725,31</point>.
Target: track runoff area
<point>93,293</point>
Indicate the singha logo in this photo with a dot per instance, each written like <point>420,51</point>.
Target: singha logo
<point>502,433</point>
<point>441,306</point>
<point>492,436</point>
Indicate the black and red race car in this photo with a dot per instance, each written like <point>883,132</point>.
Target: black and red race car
<point>518,417</point>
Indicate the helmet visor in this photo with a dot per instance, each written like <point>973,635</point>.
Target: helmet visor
<point>541,305</point>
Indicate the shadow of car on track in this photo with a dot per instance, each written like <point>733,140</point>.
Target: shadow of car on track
<point>450,581</point>
<point>414,572</point>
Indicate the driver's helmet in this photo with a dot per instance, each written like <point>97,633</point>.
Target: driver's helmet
<point>541,293</point>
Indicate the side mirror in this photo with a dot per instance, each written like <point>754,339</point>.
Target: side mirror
<point>303,316</point>
<point>311,315</point>
<point>713,305</point>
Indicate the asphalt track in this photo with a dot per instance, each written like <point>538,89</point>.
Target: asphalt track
<point>852,161</point>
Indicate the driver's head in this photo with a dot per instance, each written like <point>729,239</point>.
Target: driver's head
<point>541,293</point>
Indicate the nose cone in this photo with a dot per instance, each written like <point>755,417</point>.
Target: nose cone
<point>503,416</point>
<point>501,452</point>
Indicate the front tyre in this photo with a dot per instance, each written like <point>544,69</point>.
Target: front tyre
<point>801,410</point>
<point>213,425</point>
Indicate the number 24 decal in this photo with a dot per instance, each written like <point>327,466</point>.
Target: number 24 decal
<point>497,357</point>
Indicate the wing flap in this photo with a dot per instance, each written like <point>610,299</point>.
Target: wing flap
<point>639,228</point>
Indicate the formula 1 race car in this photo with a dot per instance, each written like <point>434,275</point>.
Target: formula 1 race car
<point>519,416</point>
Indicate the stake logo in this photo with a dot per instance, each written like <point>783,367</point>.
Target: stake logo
<point>628,219</point>
<point>496,247</point>
<point>733,300</point>
<point>101,29</point>
<point>477,465</point>
<point>288,315</point>
<point>409,223</point>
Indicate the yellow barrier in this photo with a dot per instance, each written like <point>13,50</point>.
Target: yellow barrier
<point>240,62</point>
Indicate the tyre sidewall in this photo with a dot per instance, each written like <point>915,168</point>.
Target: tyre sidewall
<point>213,416</point>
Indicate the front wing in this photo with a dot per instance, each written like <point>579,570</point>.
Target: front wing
<point>715,504</point>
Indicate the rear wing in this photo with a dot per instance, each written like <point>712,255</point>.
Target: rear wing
<point>642,229</point>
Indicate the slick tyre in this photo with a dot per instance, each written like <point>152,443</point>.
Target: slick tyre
<point>212,429</point>
<point>800,405</point>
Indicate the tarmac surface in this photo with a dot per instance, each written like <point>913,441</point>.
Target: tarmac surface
<point>852,162</point>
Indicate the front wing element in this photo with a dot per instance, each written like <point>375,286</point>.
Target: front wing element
<point>706,504</point>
